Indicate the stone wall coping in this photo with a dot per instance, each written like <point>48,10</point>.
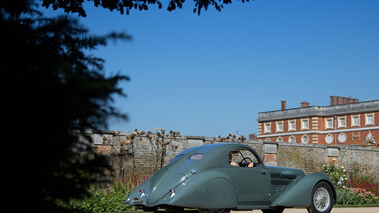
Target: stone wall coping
<point>207,139</point>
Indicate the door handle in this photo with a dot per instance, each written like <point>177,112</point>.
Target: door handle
<point>263,172</point>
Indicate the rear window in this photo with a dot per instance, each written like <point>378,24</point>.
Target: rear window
<point>196,156</point>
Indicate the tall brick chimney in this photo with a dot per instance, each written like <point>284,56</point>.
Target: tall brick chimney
<point>305,104</point>
<point>284,104</point>
<point>338,100</point>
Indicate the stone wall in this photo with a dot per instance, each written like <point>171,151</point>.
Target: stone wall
<point>140,157</point>
<point>310,158</point>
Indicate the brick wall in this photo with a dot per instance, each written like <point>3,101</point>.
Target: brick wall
<point>308,157</point>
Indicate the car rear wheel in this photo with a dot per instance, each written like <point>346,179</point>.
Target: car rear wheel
<point>214,210</point>
<point>322,199</point>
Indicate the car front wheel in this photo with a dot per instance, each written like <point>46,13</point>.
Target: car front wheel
<point>214,210</point>
<point>322,199</point>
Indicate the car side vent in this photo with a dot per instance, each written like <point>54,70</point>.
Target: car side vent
<point>278,179</point>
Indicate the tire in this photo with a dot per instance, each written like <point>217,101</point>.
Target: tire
<point>277,210</point>
<point>322,198</point>
<point>214,210</point>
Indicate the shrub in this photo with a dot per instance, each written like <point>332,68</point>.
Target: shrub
<point>351,187</point>
<point>367,183</point>
<point>101,199</point>
<point>337,174</point>
<point>108,198</point>
<point>345,196</point>
<point>362,196</point>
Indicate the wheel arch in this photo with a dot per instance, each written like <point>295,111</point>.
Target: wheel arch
<point>300,195</point>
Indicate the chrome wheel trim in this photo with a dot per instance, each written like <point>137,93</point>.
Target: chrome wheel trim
<point>321,199</point>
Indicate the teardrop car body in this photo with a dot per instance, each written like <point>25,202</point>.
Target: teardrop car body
<point>225,176</point>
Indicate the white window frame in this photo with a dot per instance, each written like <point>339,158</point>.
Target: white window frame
<point>277,126</point>
<point>289,125</point>
<point>303,137</point>
<point>326,138</point>
<point>267,130</point>
<point>279,139</point>
<point>294,139</point>
<point>327,120</point>
<point>342,137</point>
<point>352,120</point>
<point>340,123</point>
<point>302,123</point>
<point>366,119</point>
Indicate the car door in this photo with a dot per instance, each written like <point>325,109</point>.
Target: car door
<point>251,183</point>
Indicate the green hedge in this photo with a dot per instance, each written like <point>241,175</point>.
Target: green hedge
<point>101,199</point>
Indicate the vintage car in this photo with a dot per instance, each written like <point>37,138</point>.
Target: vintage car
<point>223,177</point>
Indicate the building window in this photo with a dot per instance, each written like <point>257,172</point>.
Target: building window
<point>341,122</point>
<point>304,139</point>
<point>369,119</point>
<point>279,139</point>
<point>292,139</point>
<point>279,126</point>
<point>342,137</point>
<point>328,123</point>
<point>355,120</point>
<point>329,138</point>
<point>304,124</point>
<point>267,127</point>
<point>292,125</point>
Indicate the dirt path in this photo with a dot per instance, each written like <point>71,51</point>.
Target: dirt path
<point>334,210</point>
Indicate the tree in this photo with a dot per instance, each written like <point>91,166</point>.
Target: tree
<point>52,88</point>
<point>76,6</point>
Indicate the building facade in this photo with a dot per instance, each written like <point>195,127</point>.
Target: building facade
<point>345,122</point>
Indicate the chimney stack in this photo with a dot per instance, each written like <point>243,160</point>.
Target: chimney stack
<point>284,103</point>
<point>305,104</point>
<point>338,100</point>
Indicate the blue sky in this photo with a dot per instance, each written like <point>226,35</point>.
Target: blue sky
<point>211,74</point>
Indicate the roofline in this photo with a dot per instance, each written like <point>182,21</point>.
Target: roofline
<point>321,111</point>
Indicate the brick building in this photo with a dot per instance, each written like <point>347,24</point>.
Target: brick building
<point>345,122</point>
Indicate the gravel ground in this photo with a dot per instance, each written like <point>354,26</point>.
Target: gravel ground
<point>334,210</point>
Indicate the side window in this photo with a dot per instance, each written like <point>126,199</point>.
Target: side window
<point>243,158</point>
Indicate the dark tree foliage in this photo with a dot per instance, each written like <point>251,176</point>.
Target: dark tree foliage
<point>51,88</point>
<point>76,6</point>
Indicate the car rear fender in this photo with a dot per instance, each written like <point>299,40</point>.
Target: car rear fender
<point>219,193</point>
<point>210,189</point>
<point>300,195</point>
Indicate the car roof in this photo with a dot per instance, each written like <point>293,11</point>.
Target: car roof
<point>213,157</point>
<point>221,146</point>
